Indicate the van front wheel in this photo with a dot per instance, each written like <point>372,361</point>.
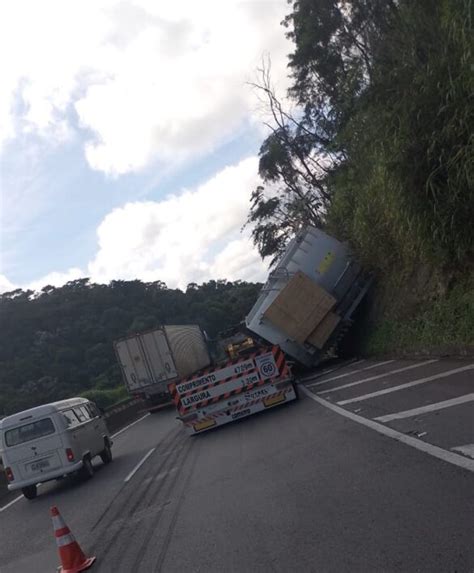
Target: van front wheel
<point>30,491</point>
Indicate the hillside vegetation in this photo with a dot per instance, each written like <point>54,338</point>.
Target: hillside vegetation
<point>59,342</point>
<point>380,153</point>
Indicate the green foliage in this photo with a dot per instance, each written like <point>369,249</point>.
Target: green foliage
<point>59,343</point>
<point>410,172</point>
<point>443,325</point>
<point>106,398</point>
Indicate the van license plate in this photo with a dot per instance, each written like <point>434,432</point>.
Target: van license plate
<point>39,465</point>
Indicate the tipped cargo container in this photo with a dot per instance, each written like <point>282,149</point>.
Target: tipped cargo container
<point>151,360</point>
<point>308,301</point>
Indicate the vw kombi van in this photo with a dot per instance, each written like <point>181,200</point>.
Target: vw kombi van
<point>52,441</point>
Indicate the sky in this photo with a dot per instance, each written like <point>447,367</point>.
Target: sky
<point>129,138</point>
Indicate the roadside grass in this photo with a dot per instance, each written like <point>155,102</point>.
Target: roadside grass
<point>444,325</point>
<point>105,398</point>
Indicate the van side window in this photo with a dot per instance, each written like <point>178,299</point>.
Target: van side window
<point>82,413</point>
<point>71,418</point>
<point>93,410</point>
<point>85,410</point>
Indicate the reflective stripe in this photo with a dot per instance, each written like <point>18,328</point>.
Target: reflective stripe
<point>58,522</point>
<point>62,531</point>
<point>65,540</point>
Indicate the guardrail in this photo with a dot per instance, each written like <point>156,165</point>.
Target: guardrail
<point>123,412</point>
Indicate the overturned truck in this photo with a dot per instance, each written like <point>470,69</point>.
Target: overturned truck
<point>307,303</point>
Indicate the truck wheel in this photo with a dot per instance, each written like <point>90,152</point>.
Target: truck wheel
<point>297,390</point>
<point>106,454</point>
<point>30,491</point>
<point>87,470</point>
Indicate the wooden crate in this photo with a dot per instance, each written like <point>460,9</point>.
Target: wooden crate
<point>323,331</point>
<point>299,307</point>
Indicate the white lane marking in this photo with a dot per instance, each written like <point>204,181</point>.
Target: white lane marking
<point>11,503</point>
<point>468,450</point>
<point>407,385</point>
<point>404,369</point>
<point>129,426</point>
<point>14,501</point>
<point>139,465</point>
<point>322,373</point>
<point>351,372</point>
<point>434,451</point>
<point>428,408</point>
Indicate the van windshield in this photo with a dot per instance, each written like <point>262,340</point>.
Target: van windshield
<point>29,432</point>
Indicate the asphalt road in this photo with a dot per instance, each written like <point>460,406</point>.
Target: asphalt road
<point>298,488</point>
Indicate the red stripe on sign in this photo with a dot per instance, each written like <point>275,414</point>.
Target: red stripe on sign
<point>280,362</point>
<point>62,531</point>
<point>238,390</point>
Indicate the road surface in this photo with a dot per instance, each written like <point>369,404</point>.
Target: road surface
<point>312,486</point>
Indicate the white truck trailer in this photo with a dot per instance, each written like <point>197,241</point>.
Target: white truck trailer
<point>150,360</point>
<point>236,389</point>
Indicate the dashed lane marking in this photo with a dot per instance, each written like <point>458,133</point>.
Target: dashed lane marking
<point>435,451</point>
<point>467,450</point>
<point>139,465</point>
<point>11,503</point>
<point>428,408</point>
<point>351,373</point>
<point>407,385</point>
<point>14,501</point>
<point>398,370</point>
<point>129,426</point>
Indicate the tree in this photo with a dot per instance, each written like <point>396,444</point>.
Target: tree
<point>294,164</point>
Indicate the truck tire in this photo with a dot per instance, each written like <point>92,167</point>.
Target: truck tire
<point>106,454</point>
<point>297,390</point>
<point>30,491</point>
<point>87,470</point>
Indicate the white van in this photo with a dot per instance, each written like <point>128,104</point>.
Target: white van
<point>51,441</point>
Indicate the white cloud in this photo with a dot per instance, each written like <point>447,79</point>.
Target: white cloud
<point>56,279</point>
<point>6,285</point>
<point>193,236</point>
<point>190,237</point>
<point>150,80</point>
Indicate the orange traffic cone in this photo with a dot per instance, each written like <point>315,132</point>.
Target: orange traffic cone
<point>72,558</point>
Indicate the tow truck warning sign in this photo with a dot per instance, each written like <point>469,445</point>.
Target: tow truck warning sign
<point>216,376</point>
<point>215,391</point>
<point>229,379</point>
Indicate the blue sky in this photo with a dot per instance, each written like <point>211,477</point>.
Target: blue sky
<point>131,151</point>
